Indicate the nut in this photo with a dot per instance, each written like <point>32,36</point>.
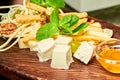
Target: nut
<point>7,28</point>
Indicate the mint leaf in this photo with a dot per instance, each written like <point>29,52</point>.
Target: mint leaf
<point>46,31</point>
<point>54,17</point>
<point>55,3</point>
<point>66,23</point>
<point>67,31</point>
<point>50,28</point>
<point>50,3</point>
<point>71,19</point>
<point>60,3</point>
<point>80,27</point>
<point>74,19</point>
<point>65,20</point>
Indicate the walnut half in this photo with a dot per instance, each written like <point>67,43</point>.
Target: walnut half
<point>7,28</point>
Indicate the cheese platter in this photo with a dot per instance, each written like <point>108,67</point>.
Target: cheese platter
<point>35,62</point>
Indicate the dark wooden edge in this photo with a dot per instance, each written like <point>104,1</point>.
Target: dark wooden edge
<point>4,71</point>
<point>14,75</point>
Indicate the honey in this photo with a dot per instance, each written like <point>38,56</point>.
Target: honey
<point>110,59</point>
<point>111,54</point>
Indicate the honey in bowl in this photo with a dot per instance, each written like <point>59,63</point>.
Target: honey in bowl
<point>108,55</point>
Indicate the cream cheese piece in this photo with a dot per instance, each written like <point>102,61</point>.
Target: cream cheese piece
<point>45,48</point>
<point>84,52</point>
<point>63,40</point>
<point>62,57</point>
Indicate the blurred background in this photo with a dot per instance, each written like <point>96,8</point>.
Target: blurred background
<point>107,10</point>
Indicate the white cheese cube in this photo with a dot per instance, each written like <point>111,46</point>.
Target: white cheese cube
<point>45,48</point>
<point>62,57</point>
<point>63,40</point>
<point>84,52</point>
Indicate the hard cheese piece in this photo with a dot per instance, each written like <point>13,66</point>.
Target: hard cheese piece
<point>32,45</point>
<point>22,44</point>
<point>108,32</point>
<point>45,48</point>
<point>84,52</point>
<point>62,57</point>
<point>63,40</point>
<point>96,33</point>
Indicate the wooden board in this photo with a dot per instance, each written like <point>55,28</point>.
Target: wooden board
<point>22,64</point>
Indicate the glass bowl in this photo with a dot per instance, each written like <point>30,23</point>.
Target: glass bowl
<point>108,55</point>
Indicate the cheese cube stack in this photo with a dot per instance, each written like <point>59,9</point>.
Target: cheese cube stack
<point>84,52</point>
<point>63,40</point>
<point>45,48</point>
<point>62,57</point>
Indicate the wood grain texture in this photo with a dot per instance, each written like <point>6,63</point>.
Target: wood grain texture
<point>22,64</point>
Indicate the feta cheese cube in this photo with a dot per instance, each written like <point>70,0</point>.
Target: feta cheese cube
<point>63,40</point>
<point>62,57</point>
<point>84,52</point>
<point>45,48</point>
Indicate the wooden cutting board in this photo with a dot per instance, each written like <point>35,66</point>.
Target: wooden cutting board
<point>22,64</point>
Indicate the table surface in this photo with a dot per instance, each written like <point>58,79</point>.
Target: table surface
<point>22,64</point>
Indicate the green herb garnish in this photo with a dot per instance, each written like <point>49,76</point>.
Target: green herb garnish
<point>80,27</point>
<point>49,3</point>
<point>66,23</point>
<point>46,31</point>
<point>38,2</point>
<point>56,25</point>
<point>50,28</point>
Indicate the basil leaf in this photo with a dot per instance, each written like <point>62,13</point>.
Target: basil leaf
<point>80,27</point>
<point>54,17</point>
<point>46,31</point>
